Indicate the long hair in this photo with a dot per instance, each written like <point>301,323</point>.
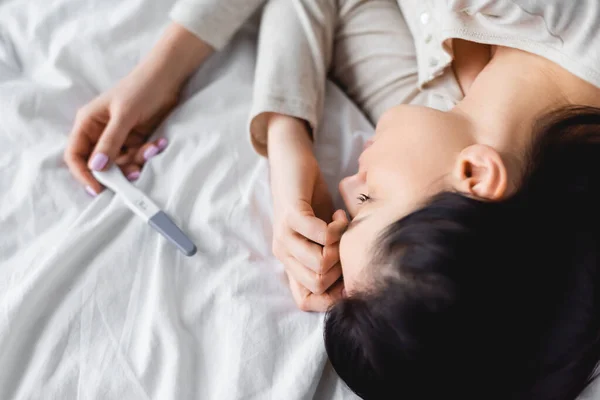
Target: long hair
<point>486,300</point>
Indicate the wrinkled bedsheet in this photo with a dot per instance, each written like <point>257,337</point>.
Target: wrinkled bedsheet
<point>96,305</point>
<point>93,303</point>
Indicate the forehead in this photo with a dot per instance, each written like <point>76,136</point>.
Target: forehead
<point>359,241</point>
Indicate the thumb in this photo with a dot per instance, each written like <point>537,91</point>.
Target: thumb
<point>336,228</point>
<point>340,216</point>
<point>303,220</point>
<point>109,144</point>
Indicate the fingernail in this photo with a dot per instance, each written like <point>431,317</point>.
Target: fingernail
<point>91,191</point>
<point>132,176</point>
<point>150,152</point>
<point>98,161</point>
<point>162,143</point>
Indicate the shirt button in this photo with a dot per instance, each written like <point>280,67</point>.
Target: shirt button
<point>433,61</point>
<point>428,38</point>
<point>425,18</point>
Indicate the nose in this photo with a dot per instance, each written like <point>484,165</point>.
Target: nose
<point>350,188</point>
<point>364,154</point>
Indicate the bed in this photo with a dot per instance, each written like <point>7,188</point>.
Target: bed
<point>96,305</point>
<point>93,303</point>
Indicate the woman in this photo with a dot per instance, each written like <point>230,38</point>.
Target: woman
<point>413,277</point>
<point>471,264</point>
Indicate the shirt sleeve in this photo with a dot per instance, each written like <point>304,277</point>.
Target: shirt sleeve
<point>214,21</point>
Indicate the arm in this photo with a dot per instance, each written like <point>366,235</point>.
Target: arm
<point>303,241</point>
<point>292,163</point>
<point>294,52</point>
<point>115,126</point>
<point>178,53</point>
<point>215,21</point>
<point>199,28</point>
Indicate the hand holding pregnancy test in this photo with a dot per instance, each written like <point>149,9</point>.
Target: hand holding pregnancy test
<point>140,204</point>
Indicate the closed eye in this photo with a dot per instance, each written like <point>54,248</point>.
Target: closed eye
<point>363,198</point>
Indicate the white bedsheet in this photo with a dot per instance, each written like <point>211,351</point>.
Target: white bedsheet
<point>93,303</point>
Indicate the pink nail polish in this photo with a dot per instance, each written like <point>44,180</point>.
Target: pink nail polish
<point>162,143</point>
<point>98,161</point>
<point>150,152</point>
<point>132,176</point>
<point>91,191</point>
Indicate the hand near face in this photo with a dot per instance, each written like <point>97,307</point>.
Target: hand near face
<point>305,240</point>
<point>300,278</point>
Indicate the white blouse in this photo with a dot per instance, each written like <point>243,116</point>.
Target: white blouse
<point>566,32</point>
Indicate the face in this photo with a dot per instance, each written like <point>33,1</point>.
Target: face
<point>409,159</point>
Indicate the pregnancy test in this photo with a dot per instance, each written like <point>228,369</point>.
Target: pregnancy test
<point>140,204</point>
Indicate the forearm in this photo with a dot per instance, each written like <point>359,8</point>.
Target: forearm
<point>292,163</point>
<point>198,29</point>
<point>177,54</point>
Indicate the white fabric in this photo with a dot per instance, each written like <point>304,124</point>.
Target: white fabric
<point>94,304</point>
<point>215,21</point>
<point>566,32</point>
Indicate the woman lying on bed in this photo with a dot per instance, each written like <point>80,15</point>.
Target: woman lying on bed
<point>471,265</point>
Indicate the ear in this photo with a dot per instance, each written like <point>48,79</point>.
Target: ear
<point>481,172</point>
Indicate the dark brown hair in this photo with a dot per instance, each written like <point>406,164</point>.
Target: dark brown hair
<point>487,300</point>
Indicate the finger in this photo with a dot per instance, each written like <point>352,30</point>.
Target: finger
<point>76,153</point>
<point>311,302</point>
<point>300,294</point>
<point>132,144</point>
<point>78,167</point>
<point>135,139</point>
<point>321,201</point>
<point>331,256</point>
<point>335,293</point>
<point>308,226</point>
<point>336,229</point>
<point>331,251</point>
<point>306,252</point>
<point>316,283</point>
<point>149,150</point>
<point>131,171</point>
<point>109,144</point>
<point>126,157</point>
<point>340,215</point>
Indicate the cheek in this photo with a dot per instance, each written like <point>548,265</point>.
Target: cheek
<point>402,186</point>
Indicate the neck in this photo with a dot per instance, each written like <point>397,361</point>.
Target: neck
<point>515,89</point>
